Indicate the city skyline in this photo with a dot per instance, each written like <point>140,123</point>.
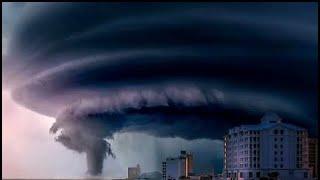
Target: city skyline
<point>283,150</point>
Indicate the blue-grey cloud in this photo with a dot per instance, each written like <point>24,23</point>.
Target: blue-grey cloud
<point>169,70</point>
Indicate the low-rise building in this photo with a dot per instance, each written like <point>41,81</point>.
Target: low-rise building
<point>201,177</point>
<point>134,172</point>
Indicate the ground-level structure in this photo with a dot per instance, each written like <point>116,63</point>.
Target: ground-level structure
<point>271,148</point>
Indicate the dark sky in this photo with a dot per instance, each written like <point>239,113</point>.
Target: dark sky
<point>188,70</point>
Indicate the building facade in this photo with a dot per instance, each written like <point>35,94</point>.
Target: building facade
<point>313,156</point>
<point>134,172</point>
<point>271,148</point>
<point>178,167</point>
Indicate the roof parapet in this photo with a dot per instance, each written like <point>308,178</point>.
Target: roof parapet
<point>270,117</point>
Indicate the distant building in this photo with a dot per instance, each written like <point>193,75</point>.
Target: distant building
<point>271,148</point>
<point>201,177</point>
<point>164,170</point>
<point>313,156</point>
<point>178,167</point>
<point>134,172</point>
<point>155,175</point>
<point>218,177</point>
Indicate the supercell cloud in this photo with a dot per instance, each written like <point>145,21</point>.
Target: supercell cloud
<point>169,70</point>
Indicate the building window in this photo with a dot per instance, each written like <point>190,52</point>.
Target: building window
<point>275,139</point>
<point>275,159</point>
<point>241,174</point>
<point>275,166</point>
<point>281,131</point>
<point>250,174</point>
<point>275,131</point>
<point>305,174</point>
<point>281,152</point>
<point>281,165</point>
<point>258,174</point>
<point>281,139</point>
<point>275,146</point>
<point>275,152</point>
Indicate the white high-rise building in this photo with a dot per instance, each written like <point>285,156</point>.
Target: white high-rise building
<point>271,148</point>
<point>313,156</point>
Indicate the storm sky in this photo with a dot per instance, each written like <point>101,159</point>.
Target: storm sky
<point>174,72</point>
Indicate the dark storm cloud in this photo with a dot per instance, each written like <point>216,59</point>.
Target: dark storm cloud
<point>179,70</point>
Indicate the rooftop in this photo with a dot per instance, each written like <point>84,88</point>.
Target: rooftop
<point>269,120</point>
